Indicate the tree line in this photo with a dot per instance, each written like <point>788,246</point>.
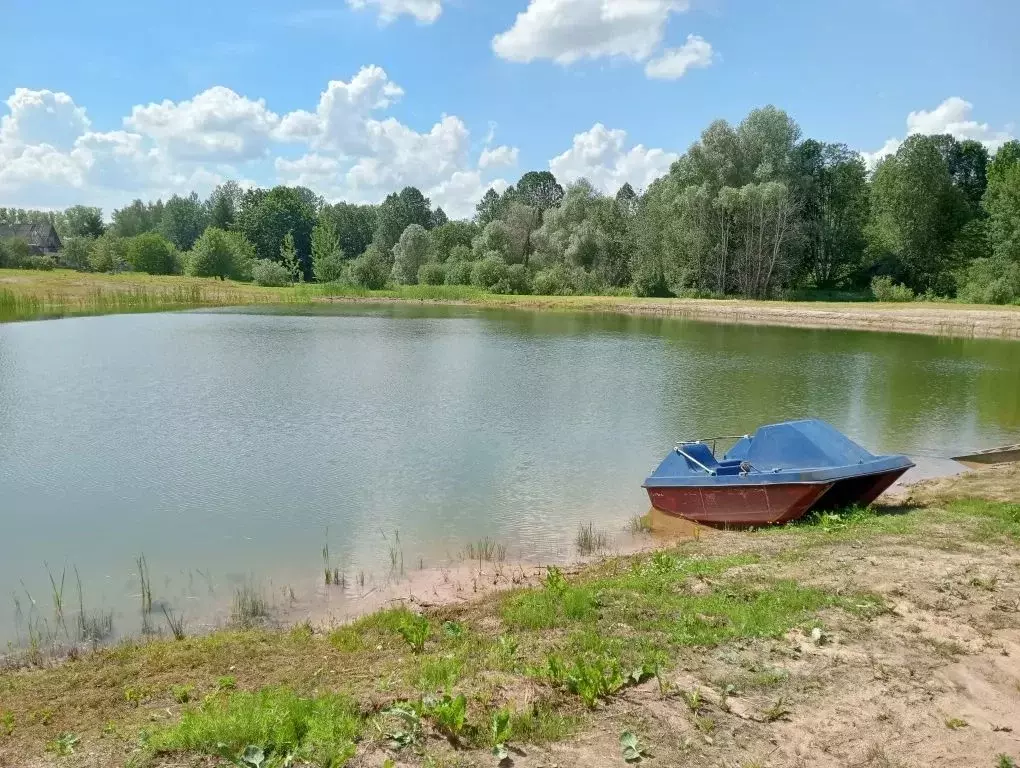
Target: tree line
<point>752,210</point>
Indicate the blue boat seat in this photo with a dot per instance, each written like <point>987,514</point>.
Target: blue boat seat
<point>700,453</point>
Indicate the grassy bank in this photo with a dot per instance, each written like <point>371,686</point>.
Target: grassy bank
<point>28,295</point>
<point>702,652</point>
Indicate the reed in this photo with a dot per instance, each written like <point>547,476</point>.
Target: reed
<point>590,541</point>
<point>250,605</point>
<point>92,627</point>
<point>486,550</point>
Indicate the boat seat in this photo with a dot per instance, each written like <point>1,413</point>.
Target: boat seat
<point>701,453</point>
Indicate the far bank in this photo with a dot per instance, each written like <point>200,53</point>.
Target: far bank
<point>31,295</point>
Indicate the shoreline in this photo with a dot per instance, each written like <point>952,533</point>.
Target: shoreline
<point>26,295</point>
<point>962,321</point>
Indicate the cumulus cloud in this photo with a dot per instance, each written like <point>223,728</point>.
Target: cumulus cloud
<point>216,124</point>
<point>674,63</point>
<point>425,11</point>
<point>498,157</point>
<point>600,155</point>
<point>339,121</point>
<point>42,118</point>
<point>952,116</point>
<point>568,30</point>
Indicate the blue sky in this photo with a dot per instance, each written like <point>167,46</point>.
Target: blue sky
<point>526,76</point>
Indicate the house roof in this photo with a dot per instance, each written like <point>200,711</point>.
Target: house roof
<point>37,234</point>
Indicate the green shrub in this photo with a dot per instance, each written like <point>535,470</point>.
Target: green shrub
<point>75,253</point>
<point>39,261</point>
<point>370,270</point>
<point>461,253</point>
<point>329,268</point>
<point>218,253</point>
<point>431,273</point>
<point>991,281</point>
<point>489,272</point>
<point>270,273</point>
<point>152,253</point>
<point>458,272</point>
<point>884,289</point>
<point>108,254</point>
<point>554,281</point>
<point>15,253</point>
<point>515,282</point>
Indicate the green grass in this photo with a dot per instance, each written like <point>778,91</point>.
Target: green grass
<point>321,729</point>
<point>993,519</point>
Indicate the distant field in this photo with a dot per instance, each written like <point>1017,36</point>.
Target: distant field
<point>29,295</point>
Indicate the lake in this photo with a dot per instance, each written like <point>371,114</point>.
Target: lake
<point>232,446</point>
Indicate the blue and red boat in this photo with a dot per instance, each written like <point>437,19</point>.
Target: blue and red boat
<point>777,475</point>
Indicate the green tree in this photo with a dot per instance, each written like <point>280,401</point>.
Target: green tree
<point>327,256</point>
<point>152,253</point>
<point>354,225</point>
<point>539,189</point>
<point>397,213</point>
<point>410,253</point>
<point>371,269</point>
<point>439,218</point>
<point>495,238</point>
<point>1002,203</point>
<point>184,219</point>
<point>627,199</point>
<point>75,252</point>
<point>137,218</point>
<point>221,254</point>
<point>831,188</point>
<point>488,207</point>
<point>80,221</point>
<point>223,205</point>
<point>446,237</point>
<point>266,217</point>
<point>108,253</point>
<point>289,258</point>
<point>917,213</point>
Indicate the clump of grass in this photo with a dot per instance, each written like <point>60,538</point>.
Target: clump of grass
<point>485,550</point>
<point>396,553</point>
<point>250,605</point>
<point>995,520</point>
<point>284,726</point>
<point>542,723</point>
<point>640,524</point>
<point>590,541</point>
<point>92,627</point>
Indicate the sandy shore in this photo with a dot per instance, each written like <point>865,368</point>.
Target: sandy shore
<point>969,321</point>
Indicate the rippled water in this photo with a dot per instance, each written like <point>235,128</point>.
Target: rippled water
<point>224,445</point>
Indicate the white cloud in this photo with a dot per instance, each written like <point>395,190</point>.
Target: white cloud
<point>600,156</point>
<point>568,30</point>
<point>673,64</point>
<point>498,157</point>
<point>425,11</point>
<point>339,121</point>
<point>217,125</point>
<point>952,116</point>
<point>42,118</point>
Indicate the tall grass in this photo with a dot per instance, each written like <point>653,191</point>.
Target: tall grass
<point>250,605</point>
<point>590,541</point>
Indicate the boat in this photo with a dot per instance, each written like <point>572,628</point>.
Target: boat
<point>1005,455</point>
<point>777,475</point>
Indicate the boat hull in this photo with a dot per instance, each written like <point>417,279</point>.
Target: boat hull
<point>857,491</point>
<point>738,505</point>
<point>1006,455</point>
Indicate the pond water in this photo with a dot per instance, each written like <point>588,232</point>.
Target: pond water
<point>232,446</point>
